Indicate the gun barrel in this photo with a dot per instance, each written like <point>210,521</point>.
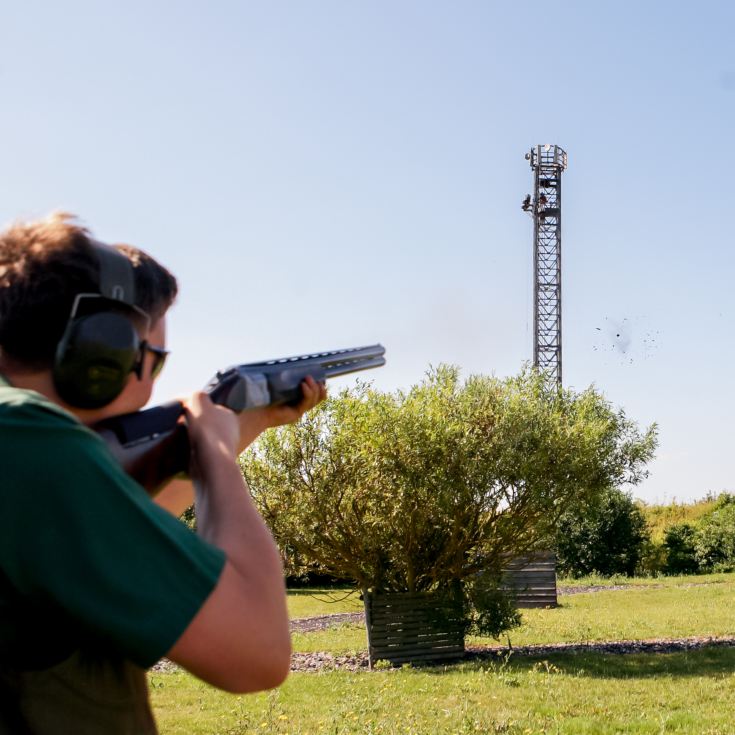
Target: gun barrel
<point>328,359</point>
<point>274,382</point>
<point>352,366</point>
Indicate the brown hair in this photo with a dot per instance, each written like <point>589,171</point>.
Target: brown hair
<point>43,266</point>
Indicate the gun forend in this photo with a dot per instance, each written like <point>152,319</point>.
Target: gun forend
<point>275,382</point>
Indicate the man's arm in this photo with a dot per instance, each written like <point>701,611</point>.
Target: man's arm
<point>178,495</point>
<point>239,640</point>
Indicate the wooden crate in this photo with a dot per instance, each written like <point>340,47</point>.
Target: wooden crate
<point>411,628</point>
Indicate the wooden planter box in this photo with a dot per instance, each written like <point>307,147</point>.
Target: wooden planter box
<point>411,628</point>
<point>531,579</point>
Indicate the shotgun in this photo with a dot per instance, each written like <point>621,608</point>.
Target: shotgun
<point>153,445</point>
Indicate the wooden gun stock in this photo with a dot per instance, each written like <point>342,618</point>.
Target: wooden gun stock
<point>153,445</point>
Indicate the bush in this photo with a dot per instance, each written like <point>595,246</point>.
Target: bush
<point>714,540</point>
<point>412,491</point>
<point>607,537</point>
<point>680,545</point>
<point>653,558</point>
<point>489,610</point>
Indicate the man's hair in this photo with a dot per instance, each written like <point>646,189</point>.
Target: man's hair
<point>43,266</point>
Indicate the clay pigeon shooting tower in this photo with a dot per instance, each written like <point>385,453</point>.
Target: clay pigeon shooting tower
<point>548,163</point>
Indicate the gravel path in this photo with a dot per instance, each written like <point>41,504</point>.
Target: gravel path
<point>322,622</point>
<point>324,661</point>
<point>584,589</point>
<point>358,661</point>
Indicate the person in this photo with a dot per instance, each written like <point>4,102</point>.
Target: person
<point>98,581</point>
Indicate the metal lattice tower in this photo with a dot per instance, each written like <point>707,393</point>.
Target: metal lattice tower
<point>548,162</point>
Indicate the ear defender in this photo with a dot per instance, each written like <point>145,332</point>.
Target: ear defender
<point>100,346</point>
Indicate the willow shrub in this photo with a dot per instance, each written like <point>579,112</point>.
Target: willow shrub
<point>410,491</point>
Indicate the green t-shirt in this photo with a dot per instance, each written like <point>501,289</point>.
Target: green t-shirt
<point>87,561</point>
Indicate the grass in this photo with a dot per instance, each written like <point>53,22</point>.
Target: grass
<point>309,603</point>
<point>671,610</point>
<point>672,693</point>
<point>667,607</point>
<point>692,692</point>
<point>661,581</point>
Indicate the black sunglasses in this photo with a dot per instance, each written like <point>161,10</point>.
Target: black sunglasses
<point>159,358</point>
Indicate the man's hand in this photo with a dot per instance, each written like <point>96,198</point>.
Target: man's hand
<point>210,424</point>
<point>235,432</point>
<point>255,422</point>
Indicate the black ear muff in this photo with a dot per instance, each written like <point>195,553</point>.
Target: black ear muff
<point>94,358</point>
<point>100,346</point>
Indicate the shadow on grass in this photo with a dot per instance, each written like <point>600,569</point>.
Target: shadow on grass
<point>705,661</point>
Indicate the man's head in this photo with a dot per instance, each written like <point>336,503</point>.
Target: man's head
<point>44,266</point>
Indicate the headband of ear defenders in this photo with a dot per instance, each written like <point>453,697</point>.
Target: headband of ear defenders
<point>117,280</point>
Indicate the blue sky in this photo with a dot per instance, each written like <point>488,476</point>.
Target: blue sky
<point>329,174</point>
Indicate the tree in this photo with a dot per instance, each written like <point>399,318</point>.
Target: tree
<point>607,536</point>
<point>411,491</point>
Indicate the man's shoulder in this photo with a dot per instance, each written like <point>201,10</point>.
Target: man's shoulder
<point>17,403</point>
<point>33,426</point>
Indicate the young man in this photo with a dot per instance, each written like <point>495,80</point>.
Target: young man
<point>97,581</point>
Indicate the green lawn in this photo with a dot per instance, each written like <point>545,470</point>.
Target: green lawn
<point>584,694</point>
<point>309,603</point>
<point>636,613</point>
<point>692,692</point>
<point>660,608</point>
